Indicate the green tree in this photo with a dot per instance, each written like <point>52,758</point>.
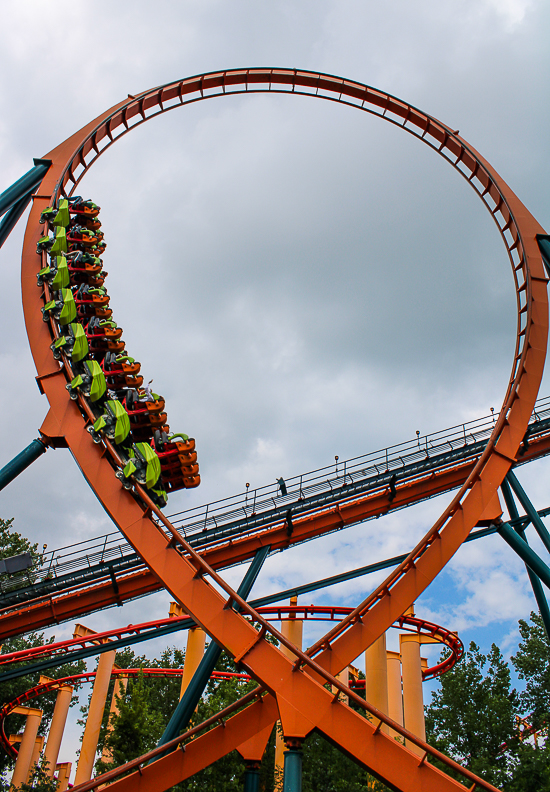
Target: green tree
<point>138,725</point>
<point>13,543</point>
<point>156,697</point>
<point>472,716</point>
<point>532,662</point>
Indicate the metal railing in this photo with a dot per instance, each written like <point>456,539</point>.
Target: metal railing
<point>252,510</point>
<point>342,481</point>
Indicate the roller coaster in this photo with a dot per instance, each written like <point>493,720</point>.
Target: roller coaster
<point>117,432</point>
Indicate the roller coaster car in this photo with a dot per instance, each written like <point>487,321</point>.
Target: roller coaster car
<point>139,403</point>
<point>86,221</point>
<point>84,262</point>
<point>184,482</point>
<point>145,416</point>
<point>114,423</point>
<point>121,371</point>
<point>98,250</point>
<point>104,336</point>
<point>143,466</point>
<point>87,294</point>
<point>74,344</point>
<point>172,453</point>
<point>92,302</point>
<point>56,275</point>
<point>82,276</point>
<point>57,216</point>
<point>55,245</point>
<point>90,382</point>
<point>89,310</point>
<point>79,206</point>
<point>82,236</point>
<point>62,307</point>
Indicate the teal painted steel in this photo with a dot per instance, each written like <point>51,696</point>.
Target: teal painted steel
<point>525,552</point>
<point>530,510</point>
<point>188,703</point>
<point>258,603</point>
<point>292,780</point>
<point>26,184</point>
<point>536,585</point>
<point>9,221</point>
<point>251,780</point>
<point>544,245</point>
<point>22,461</point>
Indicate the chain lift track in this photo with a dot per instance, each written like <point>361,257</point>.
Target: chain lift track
<point>292,690</point>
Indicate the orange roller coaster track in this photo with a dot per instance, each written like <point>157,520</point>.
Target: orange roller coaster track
<point>295,689</point>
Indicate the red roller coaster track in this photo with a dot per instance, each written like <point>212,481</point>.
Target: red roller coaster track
<point>294,690</point>
<point>276,613</point>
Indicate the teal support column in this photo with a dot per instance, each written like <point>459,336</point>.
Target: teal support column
<point>544,245</point>
<point>536,585</point>
<point>525,552</point>
<point>18,464</point>
<point>9,221</point>
<point>251,778</point>
<point>188,703</point>
<point>26,184</point>
<point>292,778</point>
<point>530,510</point>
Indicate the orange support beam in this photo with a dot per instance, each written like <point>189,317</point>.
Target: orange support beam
<point>27,749</point>
<point>376,672</point>
<point>57,726</point>
<point>95,712</point>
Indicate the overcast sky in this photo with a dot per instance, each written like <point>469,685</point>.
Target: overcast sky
<point>299,279</point>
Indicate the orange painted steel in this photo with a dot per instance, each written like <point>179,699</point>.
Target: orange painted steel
<point>82,600</point>
<point>303,702</point>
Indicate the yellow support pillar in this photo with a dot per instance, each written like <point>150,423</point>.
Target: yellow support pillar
<point>413,703</point>
<point>194,651</point>
<point>121,684</point>
<point>38,745</point>
<point>63,773</point>
<point>395,694</point>
<point>293,630</point>
<point>57,726</point>
<point>343,677</point>
<point>95,713</point>
<point>28,743</point>
<point>376,672</point>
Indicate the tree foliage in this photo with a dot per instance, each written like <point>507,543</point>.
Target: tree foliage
<point>12,543</point>
<point>532,662</point>
<point>474,716</point>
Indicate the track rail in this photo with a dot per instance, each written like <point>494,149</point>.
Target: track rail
<point>105,567</point>
<point>88,676</point>
<point>65,649</point>
<point>303,703</point>
<point>310,494</point>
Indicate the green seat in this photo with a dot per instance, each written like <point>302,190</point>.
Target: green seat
<point>62,218</point>
<point>68,311</point>
<point>145,464</point>
<point>57,274</point>
<point>60,242</point>
<point>91,382</point>
<point>114,423</point>
<point>74,345</point>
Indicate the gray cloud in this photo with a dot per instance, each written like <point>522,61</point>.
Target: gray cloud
<point>299,279</point>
